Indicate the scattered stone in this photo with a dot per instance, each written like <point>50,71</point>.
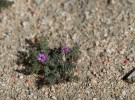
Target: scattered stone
<point>124,92</point>
<point>103,54</point>
<point>21,76</point>
<point>25,24</point>
<point>105,35</point>
<point>131,1</point>
<point>35,97</point>
<point>111,1</point>
<point>54,98</point>
<point>3,84</point>
<point>97,43</point>
<point>53,89</point>
<point>93,81</point>
<point>37,2</point>
<point>122,51</point>
<point>126,61</point>
<point>11,0</point>
<point>94,98</point>
<point>117,98</point>
<point>109,51</point>
<point>130,77</point>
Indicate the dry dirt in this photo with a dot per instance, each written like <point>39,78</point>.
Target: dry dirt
<point>105,32</point>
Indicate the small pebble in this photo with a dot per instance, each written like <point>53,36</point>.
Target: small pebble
<point>94,81</point>
<point>105,35</point>
<point>35,97</point>
<point>27,83</point>
<point>111,1</point>
<point>21,77</point>
<point>94,98</point>
<point>122,51</point>
<point>117,98</point>
<point>3,84</point>
<point>53,89</point>
<point>131,1</point>
<point>97,43</point>
<point>124,92</point>
<point>54,98</point>
<point>108,51</point>
<point>126,61</point>
<point>11,0</point>
<point>25,24</point>
<point>37,2</point>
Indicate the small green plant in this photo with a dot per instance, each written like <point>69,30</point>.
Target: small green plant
<point>52,65</point>
<point>5,3</point>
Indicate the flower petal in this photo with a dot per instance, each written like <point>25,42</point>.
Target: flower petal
<point>39,54</point>
<point>39,59</point>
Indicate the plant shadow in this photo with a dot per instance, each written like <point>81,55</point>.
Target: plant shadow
<point>23,59</point>
<point>5,3</point>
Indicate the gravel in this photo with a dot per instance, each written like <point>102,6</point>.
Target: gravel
<point>104,30</point>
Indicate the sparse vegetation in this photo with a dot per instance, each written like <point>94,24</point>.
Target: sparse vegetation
<point>54,65</point>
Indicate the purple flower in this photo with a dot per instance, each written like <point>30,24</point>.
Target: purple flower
<point>65,49</point>
<point>42,57</point>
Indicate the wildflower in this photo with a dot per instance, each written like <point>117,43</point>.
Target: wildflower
<point>42,57</point>
<point>65,49</point>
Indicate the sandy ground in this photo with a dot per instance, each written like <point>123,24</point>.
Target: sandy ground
<point>105,32</point>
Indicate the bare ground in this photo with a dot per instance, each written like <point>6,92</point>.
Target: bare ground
<point>105,32</point>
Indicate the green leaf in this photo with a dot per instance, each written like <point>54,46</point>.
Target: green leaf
<point>35,68</point>
<point>42,44</point>
<point>51,78</point>
<point>46,70</point>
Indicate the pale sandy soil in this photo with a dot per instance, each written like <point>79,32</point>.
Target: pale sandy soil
<point>106,36</point>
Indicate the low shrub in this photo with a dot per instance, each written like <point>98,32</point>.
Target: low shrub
<point>53,66</point>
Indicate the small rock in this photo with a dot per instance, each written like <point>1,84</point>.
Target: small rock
<point>111,1</point>
<point>46,93</point>
<point>126,61</point>
<point>20,76</point>
<point>25,24</point>
<point>37,2</point>
<point>131,1</point>
<point>94,81</point>
<point>122,51</point>
<point>53,89</point>
<point>105,35</point>
<point>11,0</point>
<point>103,54</point>
<point>87,91</point>
<point>130,77</point>
<point>117,98</point>
<point>43,89</point>
<point>97,43</point>
<point>35,97</point>
<point>101,74</point>
<point>3,84</point>
<point>104,71</point>
<point>124,92</point>
<point>109,51</point>
<point>54,98</point>
<point>94,98</point>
